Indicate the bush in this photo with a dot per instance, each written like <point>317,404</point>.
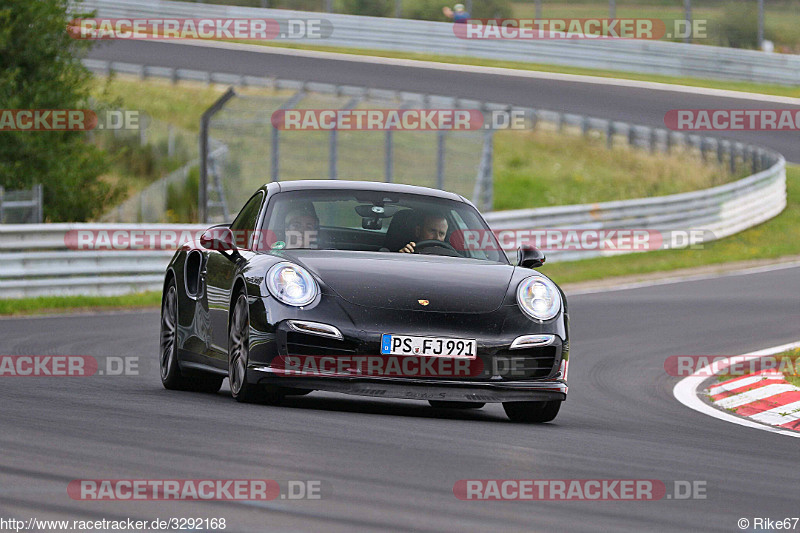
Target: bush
<point>182,199</point>
<point>40,68</point>
<point>369,8</point>
<point>738,26</point>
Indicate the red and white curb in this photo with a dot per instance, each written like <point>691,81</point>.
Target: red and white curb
<point>765,399</point>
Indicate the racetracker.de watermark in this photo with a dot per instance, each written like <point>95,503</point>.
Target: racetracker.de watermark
<point>729,365</point>
<point>167,238</point>
<point>377,366</point>
<point>579,28</point>
<point>200,28</point>
<point>68,366</point>
<point>378,119</point>
<point>733,119</point>
<point>195,489</point>
<point>443,119</point>
<point>70,120</point>
<point>556,240</point>
<point>578,490</point>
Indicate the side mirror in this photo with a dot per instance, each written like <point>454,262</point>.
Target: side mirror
<point>530,256</point>
<point>219,238</point>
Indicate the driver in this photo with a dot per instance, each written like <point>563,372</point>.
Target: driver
<point>302,227</point>
<point>433,227</point>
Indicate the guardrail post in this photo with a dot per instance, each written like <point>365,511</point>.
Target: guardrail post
<point>687,7</point>
<point>275,160</point>
<point>610,135</point>
<point>388,156</point>
<point>333,151</point>
<point>631,135</point>
<point>483,194</point>
<point>440,151</point>
<point>652,140</point>
<point>732,156</point>
<point>202,200</point>
<point>333,154</point>
<point>585,126</point>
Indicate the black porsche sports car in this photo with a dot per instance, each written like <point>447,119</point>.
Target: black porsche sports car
<point>367,289</point>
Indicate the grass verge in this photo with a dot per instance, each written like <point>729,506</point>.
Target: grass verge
<point>55,304</point>
<point>543,168</point>
<point>793,375</point>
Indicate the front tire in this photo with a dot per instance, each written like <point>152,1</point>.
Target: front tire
<point>171,376</point>
<point>239,356</point>
<point>532,412</point>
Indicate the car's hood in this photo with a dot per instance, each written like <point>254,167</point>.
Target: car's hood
<point>407,281</point>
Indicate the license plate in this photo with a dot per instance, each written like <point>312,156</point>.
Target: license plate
<point>429,346</point>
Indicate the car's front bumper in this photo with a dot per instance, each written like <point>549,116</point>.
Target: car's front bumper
<point>418,389</point>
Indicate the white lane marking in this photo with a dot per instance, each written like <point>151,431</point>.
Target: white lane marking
<point>738,400</point>
<point>779,415</point>
<point>685,391</point>
<point>682,279</point>
<point>733,385</point>
<point>497,71</point>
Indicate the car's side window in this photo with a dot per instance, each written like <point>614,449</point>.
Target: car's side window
<point>246,221</point>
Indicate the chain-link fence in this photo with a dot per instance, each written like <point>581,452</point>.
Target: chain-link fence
<point>258,152</point>
<point>21,207</point>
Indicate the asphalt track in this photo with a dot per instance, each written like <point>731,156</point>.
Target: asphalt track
<point>635,105</point>
<point>391,464</point>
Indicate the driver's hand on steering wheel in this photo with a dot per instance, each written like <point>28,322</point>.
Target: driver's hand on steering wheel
<point>408,248</point>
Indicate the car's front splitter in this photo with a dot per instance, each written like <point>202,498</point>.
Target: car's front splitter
<point>418,389</point>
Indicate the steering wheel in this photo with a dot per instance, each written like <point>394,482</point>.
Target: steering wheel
<point>432,244</point>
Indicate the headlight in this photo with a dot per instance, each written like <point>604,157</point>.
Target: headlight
<point>291,284</point>
<point>538,297</point>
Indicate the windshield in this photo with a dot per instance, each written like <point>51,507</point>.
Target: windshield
<point>374,221</point>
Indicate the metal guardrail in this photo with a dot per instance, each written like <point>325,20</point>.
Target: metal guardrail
<point>37,260</point>
<point>643,56</point>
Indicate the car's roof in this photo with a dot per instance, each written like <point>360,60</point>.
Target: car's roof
<point>306,185</point>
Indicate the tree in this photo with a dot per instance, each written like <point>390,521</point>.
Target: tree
<point>40,68</point>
